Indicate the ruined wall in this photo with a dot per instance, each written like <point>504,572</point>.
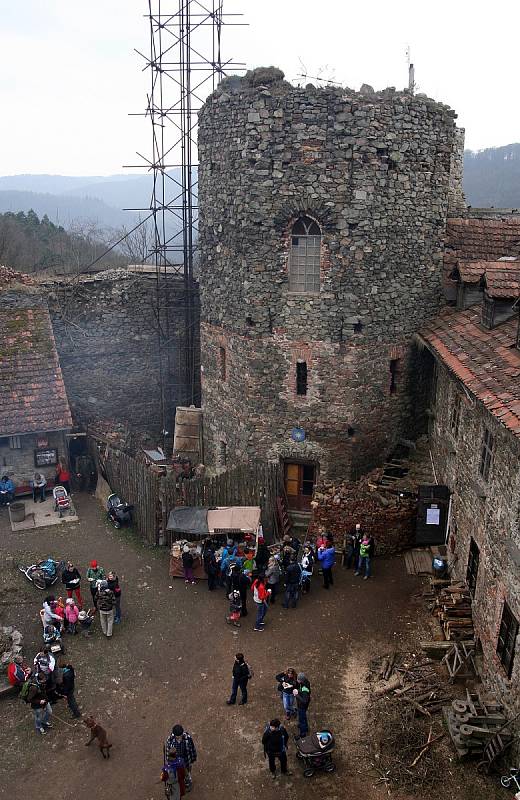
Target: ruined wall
<point>373,171</point>
<point>106,334</point>
<point>456,198</point>
<point>492,520</point>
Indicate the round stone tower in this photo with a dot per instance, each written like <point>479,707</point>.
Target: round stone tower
<point>322,216</point>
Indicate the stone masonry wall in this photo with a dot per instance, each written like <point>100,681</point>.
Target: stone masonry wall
<point>18,463</point>
<point>106,334</point>
<point>492,520</point>
<point>373,171</point>
<point>456,199</point>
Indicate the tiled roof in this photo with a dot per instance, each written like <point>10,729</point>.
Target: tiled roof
<point>480,240</point>
<point>503,279</point>
<point>32,392</point>
<point>485,361</point>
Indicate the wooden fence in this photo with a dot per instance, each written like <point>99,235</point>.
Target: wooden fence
<point>154,497</point>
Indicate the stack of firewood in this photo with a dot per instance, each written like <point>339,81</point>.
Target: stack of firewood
<point>453,608</point>
<point>389,518</point>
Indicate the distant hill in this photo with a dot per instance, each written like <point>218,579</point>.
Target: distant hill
<point>492,177</point>
<point>79,201</point>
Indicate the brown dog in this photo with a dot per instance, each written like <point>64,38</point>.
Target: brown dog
<point>99,733</point>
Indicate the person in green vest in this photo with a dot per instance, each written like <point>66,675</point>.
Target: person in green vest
<point>95,573</point>
<point>366,553</point>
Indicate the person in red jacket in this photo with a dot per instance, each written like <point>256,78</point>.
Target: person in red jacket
<point>62,477</point>
<point>261,595</point>
<point>17,671</point>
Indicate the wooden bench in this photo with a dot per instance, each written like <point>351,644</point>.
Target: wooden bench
<point>25,488</point>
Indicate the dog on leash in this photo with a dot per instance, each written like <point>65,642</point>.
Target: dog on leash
<point>99,733</point>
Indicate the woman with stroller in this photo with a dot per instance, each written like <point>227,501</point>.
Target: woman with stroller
<point>287,683</point>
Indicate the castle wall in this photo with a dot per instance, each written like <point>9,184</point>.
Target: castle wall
<point>373,171</point>
<point>106,335</point>
<point>486,511</point>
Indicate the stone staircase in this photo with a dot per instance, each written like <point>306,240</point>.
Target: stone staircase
<point>300,523</point>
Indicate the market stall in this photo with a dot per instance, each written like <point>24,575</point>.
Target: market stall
<point>195,526</point>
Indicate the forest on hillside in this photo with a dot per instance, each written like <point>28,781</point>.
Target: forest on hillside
<point>492,177</point>
<point>30,244</point>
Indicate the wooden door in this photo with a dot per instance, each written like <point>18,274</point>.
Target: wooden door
<point>299,485</point>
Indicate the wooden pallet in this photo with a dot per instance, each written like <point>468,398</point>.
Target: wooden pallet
<point>418,561</point>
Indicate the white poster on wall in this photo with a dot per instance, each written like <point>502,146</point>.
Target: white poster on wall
<point>433,515</point>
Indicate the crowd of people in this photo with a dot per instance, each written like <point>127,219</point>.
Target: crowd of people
<point>283,572</point>
<point>51,676</point>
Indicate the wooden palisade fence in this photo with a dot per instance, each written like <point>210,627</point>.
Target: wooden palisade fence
<point>154,496</point>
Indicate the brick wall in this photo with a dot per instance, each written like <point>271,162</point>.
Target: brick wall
<point>492,520</point>
<point>373,171</point>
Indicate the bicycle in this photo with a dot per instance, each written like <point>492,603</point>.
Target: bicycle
<point>512,780</point>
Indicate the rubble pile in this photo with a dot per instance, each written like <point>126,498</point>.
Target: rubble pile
<point>10,277</point>
<point>387,516</point>
<point>10,644</point>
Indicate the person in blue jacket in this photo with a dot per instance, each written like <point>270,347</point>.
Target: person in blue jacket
<point>327,559</point>
<point>6,490</point>
<point>228,555</point>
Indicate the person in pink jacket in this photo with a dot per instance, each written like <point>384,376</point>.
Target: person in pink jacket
<point>71,615</point>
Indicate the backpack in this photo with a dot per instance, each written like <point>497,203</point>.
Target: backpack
<point>250,671</point>
<point>25,690</point>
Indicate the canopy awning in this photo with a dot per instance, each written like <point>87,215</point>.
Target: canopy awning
<point>202,520</point>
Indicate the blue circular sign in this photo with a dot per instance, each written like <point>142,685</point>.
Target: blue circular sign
<point>298,435</point>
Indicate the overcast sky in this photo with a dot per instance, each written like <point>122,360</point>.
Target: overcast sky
<point>69,75</point>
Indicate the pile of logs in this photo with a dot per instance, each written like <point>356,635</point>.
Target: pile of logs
<point>453,608</point>
<point>473,724</point>
<point>411,680</point>
<point>389,518</point>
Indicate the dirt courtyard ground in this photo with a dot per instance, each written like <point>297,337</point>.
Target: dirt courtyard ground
<point>170,661</point>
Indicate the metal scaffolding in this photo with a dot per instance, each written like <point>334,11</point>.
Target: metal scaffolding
<point>184,65</point>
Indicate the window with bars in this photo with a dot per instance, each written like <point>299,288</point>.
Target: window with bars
<point>304,256</point>
<point>301,377</point>
<point>15,443</point>
<point>473,562</point>
<point>455,416</point>
<point>222,454</point>
<point>507,639</point>
<point>486,455</point>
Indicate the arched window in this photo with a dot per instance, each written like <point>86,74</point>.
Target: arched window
<point>304,256</point>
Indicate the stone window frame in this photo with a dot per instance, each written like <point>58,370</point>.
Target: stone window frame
<point>506,640</point>
<point>222,363</point>
<point>486,455</point>
<point>302,377</point>
<point>309,222</point>
<point>473,565</point>
<point>221,454</point>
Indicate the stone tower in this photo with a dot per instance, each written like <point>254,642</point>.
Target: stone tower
<point>322,217</point>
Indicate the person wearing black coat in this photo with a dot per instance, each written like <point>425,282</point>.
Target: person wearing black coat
<point>66,687</point>
<point>244,587</point>
<point>241,675</point>
<point>210,567</point>
<point>72,578</point>
<point>274,742</point>
<point>293,576</point>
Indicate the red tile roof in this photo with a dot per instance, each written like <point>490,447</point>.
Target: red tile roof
<point>480,240</point>
<point>502,279</point>
<point>32,391</point>
<point>485,361</point>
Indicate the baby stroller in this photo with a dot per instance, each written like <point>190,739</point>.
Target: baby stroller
<point>235,609</point>
<point>61,500</point>
<point>315,752</point>
<point>119,513</point>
